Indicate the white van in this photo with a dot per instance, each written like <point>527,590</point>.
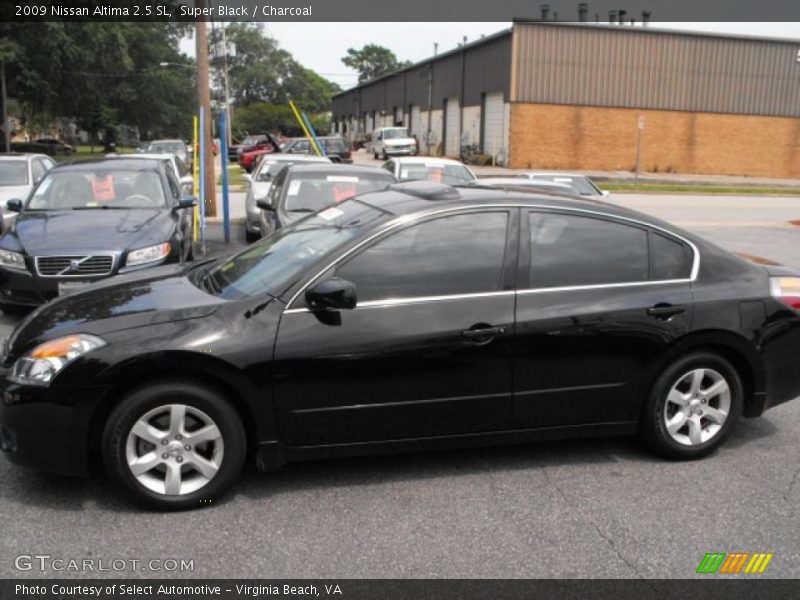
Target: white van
<point>393,141</point>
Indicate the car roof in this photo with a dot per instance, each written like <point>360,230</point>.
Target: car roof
<point>410,197</point>
<point>171,141</point>
<point>522,182</point>
<point>426,160</point>
<point>339,169</point>
<point>19,155</point>
<point>298,157</point>
<point>555,174</point>
<point>128,164</point>
<point>144,156</point>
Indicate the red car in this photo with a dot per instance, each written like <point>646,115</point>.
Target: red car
<point>249,160</point>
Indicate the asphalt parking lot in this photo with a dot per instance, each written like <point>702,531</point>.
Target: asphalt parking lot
<point>590,508</point>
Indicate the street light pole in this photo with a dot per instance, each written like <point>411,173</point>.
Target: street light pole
<point>204,100</point>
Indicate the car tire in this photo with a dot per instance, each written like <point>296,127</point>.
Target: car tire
<point>677,421</point>
<point>160,421</point>
<point>251,236</point>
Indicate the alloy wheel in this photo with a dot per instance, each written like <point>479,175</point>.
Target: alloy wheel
<point>174,449</point>
<point>697,406</point>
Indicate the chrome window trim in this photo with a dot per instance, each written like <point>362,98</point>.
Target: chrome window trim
<point>406,219</point>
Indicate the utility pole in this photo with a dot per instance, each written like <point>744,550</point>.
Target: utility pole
<point>4,99</point>
<point>228,111</point>
<point>204,100</point>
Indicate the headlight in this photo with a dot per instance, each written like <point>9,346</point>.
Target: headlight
<point>40,365</point>
<point>149,254</point>
<point>12,260</point>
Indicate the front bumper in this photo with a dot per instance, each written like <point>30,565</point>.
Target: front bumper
<point>25,289</point>
<point>409,151</point>
<point>47,428</point>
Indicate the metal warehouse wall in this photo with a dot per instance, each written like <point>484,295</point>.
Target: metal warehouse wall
<point>485,66</point>
<point>616,66</point>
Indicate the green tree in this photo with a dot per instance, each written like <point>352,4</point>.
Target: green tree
<point>372,61</point>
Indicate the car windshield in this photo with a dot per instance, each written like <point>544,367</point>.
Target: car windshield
<point>449,174</point>
<point>309,192</point>
<point>13,172</point>
<point>104,188</point>
<point>281,259</point>
<point>159,147</point>
<point>268,169</point>
<point>582,184</point>
<point>395,134</point>
<point>251,140</point>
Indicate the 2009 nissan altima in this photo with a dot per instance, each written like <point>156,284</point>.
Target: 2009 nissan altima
<point>419,317</point>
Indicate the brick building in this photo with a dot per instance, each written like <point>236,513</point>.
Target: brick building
<point>573,96</point>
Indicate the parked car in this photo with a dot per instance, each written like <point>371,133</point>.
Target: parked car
<point>54,146</point>
<point>298,190</point>
<point>521,183</point>
<point>91,220</point>
<point>335,146</point>
<point>439,170</point>
<point>19,173</point>
<point>393,141</point>
<point>260,182</point>
<point>414,318</point>
<point>176,147</point>
<point>582,183</point>
<point>172,162</point>
<point>250,159</point>
<point>253,142</point>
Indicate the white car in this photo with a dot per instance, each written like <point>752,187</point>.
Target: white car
<point>582,184</point>
<point>19,174</point>
<point>431,168</point>
<point>180,170</point>
<point>260,181</point>
<point>533,185</point>
<point>393,141</point>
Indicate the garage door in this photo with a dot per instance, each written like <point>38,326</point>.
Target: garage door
<point>452,128</point>
<point>493,123</point>
<point>416,121</point>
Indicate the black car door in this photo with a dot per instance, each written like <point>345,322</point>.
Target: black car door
<point>427,350</point>
<point>599,299</point>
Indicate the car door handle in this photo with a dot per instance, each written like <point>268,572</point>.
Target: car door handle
<point>479,333</point>
<point>666,311</point>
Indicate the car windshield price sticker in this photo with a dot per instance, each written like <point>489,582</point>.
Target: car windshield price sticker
<point>330,214</point>
<point>103,188</point>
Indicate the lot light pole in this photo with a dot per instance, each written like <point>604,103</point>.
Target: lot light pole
<point>4,100</point>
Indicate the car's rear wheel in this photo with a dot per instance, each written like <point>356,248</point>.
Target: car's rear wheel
<point>693,406</point>
<point>251,236</point>
<point>174,445</point>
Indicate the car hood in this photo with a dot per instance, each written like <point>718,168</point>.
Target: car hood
<point>13,192</point>
<point>71,231</point>
<point>147,297</point>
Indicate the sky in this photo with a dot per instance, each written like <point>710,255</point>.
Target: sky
<point>320,46</point>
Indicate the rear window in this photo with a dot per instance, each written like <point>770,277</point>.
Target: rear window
<point>13,172</point>
<point>311,192</point>
<point>335,145</point>
<point>448,174</point>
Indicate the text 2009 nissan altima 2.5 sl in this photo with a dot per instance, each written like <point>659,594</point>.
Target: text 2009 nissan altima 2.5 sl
<point>418,317</point>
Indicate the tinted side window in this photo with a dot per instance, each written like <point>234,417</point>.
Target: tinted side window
<point>670,258</point>
<point>461,254</point>
<point>174,186</point>
<point>38,170</point>
<point>568,250</point>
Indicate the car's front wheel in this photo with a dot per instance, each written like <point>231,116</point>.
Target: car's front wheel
<point>693,406</point>
<point>174,445</point>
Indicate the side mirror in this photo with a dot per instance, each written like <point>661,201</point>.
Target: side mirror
<point>185,202</point>
<point>14,205</point>
<point>332,294</point>
<point>264,203</point>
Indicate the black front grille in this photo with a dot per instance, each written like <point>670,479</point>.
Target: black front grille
<point>72,266</point>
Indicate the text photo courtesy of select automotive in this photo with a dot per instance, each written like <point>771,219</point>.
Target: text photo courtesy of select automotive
<point>469,301</point>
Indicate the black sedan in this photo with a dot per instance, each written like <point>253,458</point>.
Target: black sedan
<point>419,317</point>
<point>300,189</point>
<point>91,220</point>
